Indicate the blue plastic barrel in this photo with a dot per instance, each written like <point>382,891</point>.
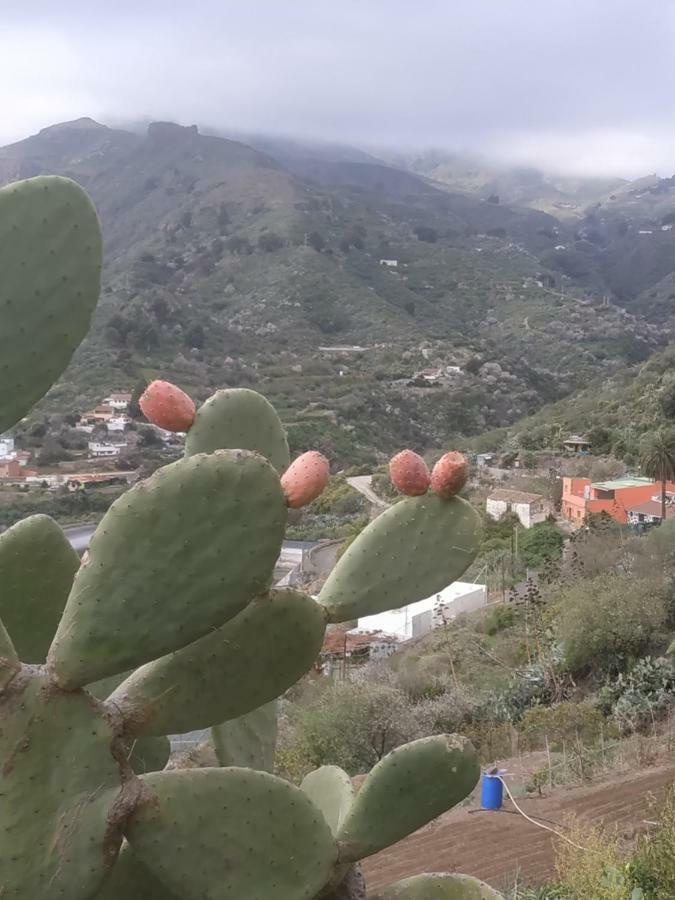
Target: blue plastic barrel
<point>492,792</point>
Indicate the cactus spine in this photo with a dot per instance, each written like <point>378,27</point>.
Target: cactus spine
<point>178,582</point>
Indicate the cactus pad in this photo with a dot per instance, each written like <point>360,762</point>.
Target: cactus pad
<point>332,791</point>
<point>202,834</point>
<point>50,278</point>
<point>174,557</point>
<point>37,567</point>
<point>131,880</point>
<point>437,887</point>
<point>239,418</point>
<point>57,790</point>
<point>9,661</point>
<point>414,549</point>
<point>148,754</point>
<point>274,640</point>
<point>249,740</point>
<point>405,790</point>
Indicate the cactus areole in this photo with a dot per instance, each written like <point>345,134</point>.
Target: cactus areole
<point>172,623</point>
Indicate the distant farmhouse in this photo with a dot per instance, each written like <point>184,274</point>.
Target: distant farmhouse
<point>530,508</point>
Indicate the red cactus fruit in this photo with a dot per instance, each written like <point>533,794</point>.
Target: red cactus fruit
<point>450,474</point>
<point>166,406</point>
<point>409,473</point>
<point>305,478</point>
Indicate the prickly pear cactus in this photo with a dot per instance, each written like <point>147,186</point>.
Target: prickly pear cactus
<point>171,623</point>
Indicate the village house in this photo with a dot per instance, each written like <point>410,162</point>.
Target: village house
<point>530,508</point>
<point>10,468</point>
<point>100,449</point>
<point>430,375</point>
<point>390,263</point>
<point>117,423</point>
<point>117,401</point>
<point>97,416</point>
<point>649,513</point>
<point>425,615</point>
<point>6,446</point>
<point>575,443</point>
<point>345,648</point>
<point>582,498</point>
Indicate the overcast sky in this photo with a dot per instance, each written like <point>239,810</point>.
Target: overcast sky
<point>583,86</point>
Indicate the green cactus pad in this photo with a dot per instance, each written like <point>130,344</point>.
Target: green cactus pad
<point>59,781</point>
<point>437,887</point>
<point>242,419</point>
<point>148,754</point>
<point>332,791</point>
<point>247,662</point>
<point>248,741</point>
<point>9,661</point>
<point>232,834</point>
<point>37,567</point>
<point>103,689</point>
<point>50,278</point>
<point>131,880</point>
<point>405,790</point>
<point>414,549</point>
<point>173,558</point>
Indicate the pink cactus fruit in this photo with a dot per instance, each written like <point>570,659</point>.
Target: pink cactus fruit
<point>305,478</point>
<point>450,474</point>
<point>167,406</point>
<point>409,473</point>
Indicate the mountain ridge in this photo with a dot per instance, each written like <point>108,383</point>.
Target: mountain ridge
<point>225,265</point>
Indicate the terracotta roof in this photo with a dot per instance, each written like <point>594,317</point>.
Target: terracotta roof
<point>652,508</point>
<point>334,641</point>
<point>514,496</point>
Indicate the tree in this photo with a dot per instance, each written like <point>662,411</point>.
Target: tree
<point>269,242</point>
<point>426,233</point>
<point>316,241</point>
<point>657,459</point>
<point>543,541</point>
<point>194,336</point>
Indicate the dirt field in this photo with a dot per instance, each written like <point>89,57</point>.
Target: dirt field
<point>494,846</point>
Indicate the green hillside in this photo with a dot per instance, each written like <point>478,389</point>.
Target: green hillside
<point>226,266</point>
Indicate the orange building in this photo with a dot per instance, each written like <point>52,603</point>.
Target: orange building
<point>582,498</point>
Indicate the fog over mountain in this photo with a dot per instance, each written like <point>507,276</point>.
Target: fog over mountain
<point>583,87</point>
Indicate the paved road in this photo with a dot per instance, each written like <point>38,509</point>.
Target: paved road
<point>362,483</point>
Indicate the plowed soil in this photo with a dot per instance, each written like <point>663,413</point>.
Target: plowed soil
<point>495,846</point>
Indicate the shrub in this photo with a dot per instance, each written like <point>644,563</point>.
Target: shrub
<point>563,724</point>
<point>541,543</point>
<point>500,618</point>
<point>653,867</point>
<point>645,692</point>
<point>608,621</point>
<point>599,870</point>
<point>351,725</point>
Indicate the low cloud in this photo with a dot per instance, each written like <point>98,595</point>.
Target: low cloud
<point>585,86</point>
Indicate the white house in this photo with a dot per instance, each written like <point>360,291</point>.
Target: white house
<point>530,508</point>
<point>117,401</point>
<point>97,448</point>
<point>6,446</point>
<point>117,423</point>
<point>422,617</point>
<point>390,263</point>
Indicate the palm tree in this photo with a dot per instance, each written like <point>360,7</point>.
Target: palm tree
<point>658,460</point>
